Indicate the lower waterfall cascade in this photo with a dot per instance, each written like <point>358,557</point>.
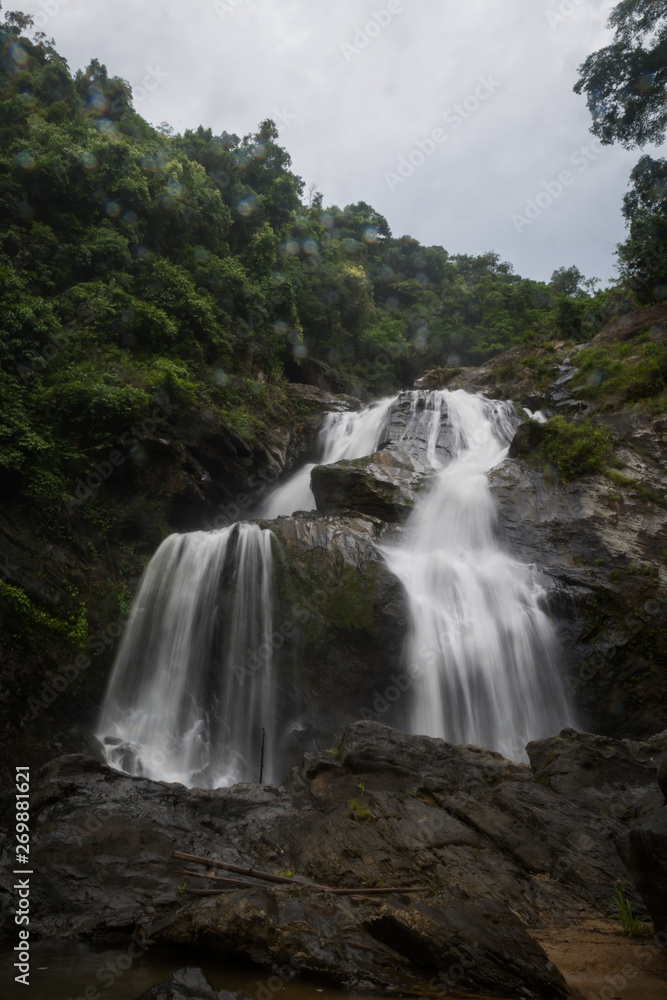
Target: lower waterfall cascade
<point>179,706</point>
<point>481,652</point>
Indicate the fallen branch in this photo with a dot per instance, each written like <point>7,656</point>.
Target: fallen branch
<point>376,892</point>
<point>207,892</point>
<point>281,879</point>
<point>217,878</point>
<point>241,870</point>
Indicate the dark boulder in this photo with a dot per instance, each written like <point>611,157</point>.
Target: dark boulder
<point>662,775</point>
<point>643,849</point>
<point>386,486</point>
<point>190,984</point>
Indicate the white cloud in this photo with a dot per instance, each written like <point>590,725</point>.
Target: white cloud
<point>356,114</point>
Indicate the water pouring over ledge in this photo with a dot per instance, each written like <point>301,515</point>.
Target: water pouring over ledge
<point>179,706</point>
<point>481,652</point>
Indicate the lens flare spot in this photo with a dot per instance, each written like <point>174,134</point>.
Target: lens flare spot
<point>18,54</point>
<point>107,127</point>
<point>89,161</point>
<point>280,327</point>
<point>326,220</point>
<point>371,234</point>
<point>220,377</point>
<point>112,208</point>
<point>246,206</point>
<point>201,254</point>
<point>129,218</point>
<point>300,351</point>
<point>26,160</point>
<point>309,246</point>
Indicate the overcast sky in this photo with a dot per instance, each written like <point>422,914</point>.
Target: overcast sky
<point>356,86</point>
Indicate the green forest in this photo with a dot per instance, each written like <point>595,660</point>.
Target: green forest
<point>138,265</point>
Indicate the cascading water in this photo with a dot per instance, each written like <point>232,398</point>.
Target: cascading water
<point>342,436</point>
<point>182,703</point>
<point>180,706</point>
<point>481,650</point>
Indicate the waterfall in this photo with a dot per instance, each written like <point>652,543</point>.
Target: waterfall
<point>482,652</point>
<point>182,704</point>
<point>194,681</point>
<point>342,436</point>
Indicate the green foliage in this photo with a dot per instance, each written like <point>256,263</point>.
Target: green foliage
<point>624,372</point>
<point>625,82</point>
<point>75,628</point>
<point>573,448</point>
<point>632,926</point>
<point>358,811</point>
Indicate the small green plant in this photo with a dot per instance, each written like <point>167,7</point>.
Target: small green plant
<point>286,873</point>
<point>632,926</point>
<point>358,810</point>
<point>181,888</point>
<point>362,786</point>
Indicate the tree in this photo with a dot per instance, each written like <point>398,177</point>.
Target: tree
<point>649,178</point>
<point>17,23</point>
<point>567,281</point>
<point>625,82</point>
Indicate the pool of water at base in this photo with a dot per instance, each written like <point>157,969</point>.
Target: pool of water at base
<point>83,971</point>
<point>61,971</point>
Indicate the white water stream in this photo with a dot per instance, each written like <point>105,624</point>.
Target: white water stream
<point>180,706</point>
<point>481,652</point>
<point>342,436</point>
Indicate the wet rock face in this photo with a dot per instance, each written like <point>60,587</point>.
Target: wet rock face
<point>600,549</point>
<point>407,429</point>
<point>386,485</point>
<point>643,847</point>
<point>497,847</point>
<point>340,621</point>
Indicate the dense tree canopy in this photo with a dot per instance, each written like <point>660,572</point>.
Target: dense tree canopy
<point>625,82</point>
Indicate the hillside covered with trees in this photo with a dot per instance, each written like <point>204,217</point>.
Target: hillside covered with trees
<point>136,262</point>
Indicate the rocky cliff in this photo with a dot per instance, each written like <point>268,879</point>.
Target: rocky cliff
<point>498,851</point>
